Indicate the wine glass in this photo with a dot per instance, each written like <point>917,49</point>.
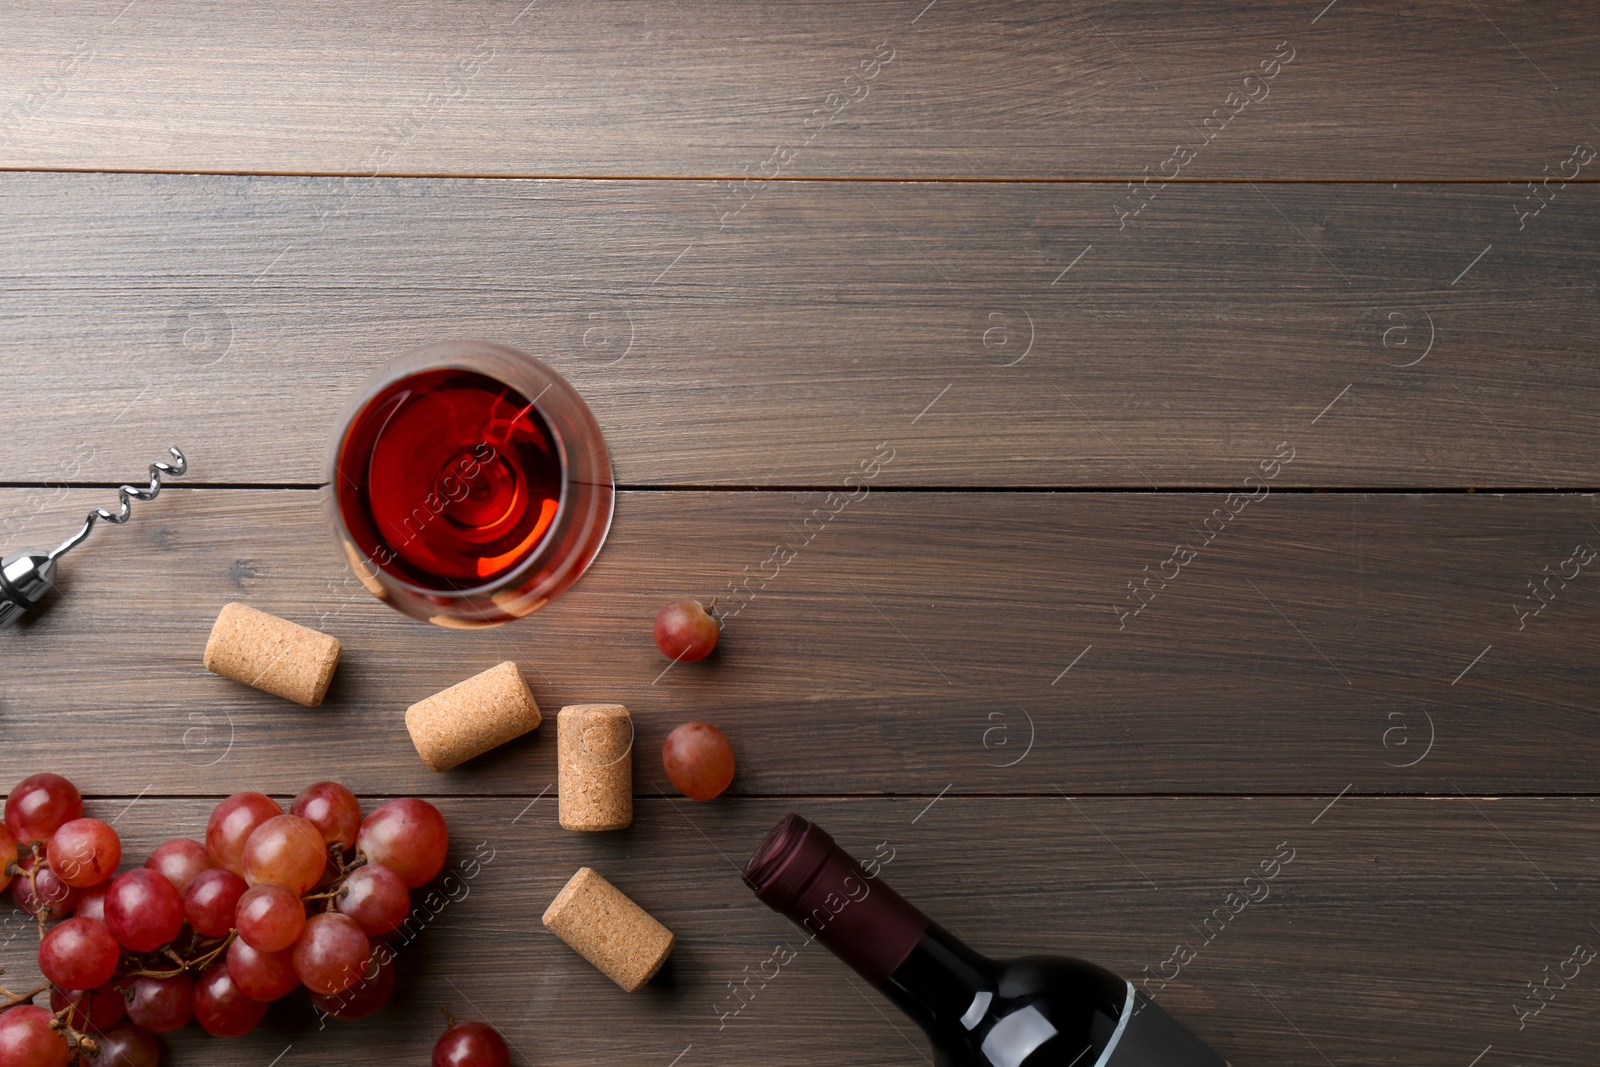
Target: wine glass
<point>469,484</point>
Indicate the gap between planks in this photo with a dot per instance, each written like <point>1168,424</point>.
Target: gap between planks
<point>792,178</point>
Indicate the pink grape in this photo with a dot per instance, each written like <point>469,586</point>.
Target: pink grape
<point>8,852</point>
<point>143,910</point>
<point>39,805</point>
<point>261,975</point>
<point>84,852</point>
<point>79,954</point>
<point>26,1039</point>
<point>331,953</point>
<point>160,1004</point>
<point>232,823</point>
<point>333,809</point>
<point>471,1044</point>
<point>685,632</point>
<point>269,916</point>
<point>376,898</point>
<point>180,859</point>
<point>699,760</point>
<point>367,995</point>
<point>286,849</point>
<point>219,1007</point>
<point>408,836</point>
<point>89,1009</point>
<point>46,897</point>
<point>212,900</point>
<point>125,1045</point>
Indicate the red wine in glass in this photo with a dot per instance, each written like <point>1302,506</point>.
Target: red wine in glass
<point>470,484</point>
<point>456,472</point>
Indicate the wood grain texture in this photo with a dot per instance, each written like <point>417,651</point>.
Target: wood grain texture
<point>998,335</point>
<point>916,641</point>
<point>1369,920</point>
<point>1077,719</point>
<point>1453,90</point>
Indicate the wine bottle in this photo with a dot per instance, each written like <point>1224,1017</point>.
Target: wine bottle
<point>1037,1011</point>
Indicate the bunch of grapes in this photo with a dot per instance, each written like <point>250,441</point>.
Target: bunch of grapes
<point>211,932</point>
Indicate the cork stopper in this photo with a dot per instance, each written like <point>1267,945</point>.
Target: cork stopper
<point>603,926</point>
<point>594,773</point>
<point>471,717</point>
<point>274,655</point>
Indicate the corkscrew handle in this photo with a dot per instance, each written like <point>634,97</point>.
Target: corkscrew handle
<point>27,576</point>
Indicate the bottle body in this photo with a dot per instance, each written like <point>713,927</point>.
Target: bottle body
<point>1038,1011</point>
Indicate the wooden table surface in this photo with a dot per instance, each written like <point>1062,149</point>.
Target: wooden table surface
<point>1309,291</point>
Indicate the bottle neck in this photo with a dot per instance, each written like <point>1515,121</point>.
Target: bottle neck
<point>800,872</point>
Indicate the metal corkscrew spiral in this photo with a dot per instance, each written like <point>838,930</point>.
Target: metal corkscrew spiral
<point>26,577</point>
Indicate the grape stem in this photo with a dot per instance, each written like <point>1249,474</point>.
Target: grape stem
<point>82,1042</point>
<point>199,963</point>
<point>335,892</point>
<point>13,999</point>
<point>337,889</point>
<point>33,885</point>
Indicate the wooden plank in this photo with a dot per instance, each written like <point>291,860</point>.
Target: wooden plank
<point>1364,921</point>
<point>981,642</point>
<point>901,89</point>
<point>998,335</point>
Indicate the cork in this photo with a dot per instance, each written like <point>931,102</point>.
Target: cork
<point>471,717</point>
<point>594,772</point>
<point>274,655</point>
<point>603,926</point>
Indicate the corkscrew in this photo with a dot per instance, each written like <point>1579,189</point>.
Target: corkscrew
<point>27,576</point>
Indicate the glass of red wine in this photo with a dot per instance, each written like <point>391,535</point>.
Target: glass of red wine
<point>469,484</point>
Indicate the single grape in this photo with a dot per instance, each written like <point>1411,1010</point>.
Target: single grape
<point>269,916</point>
<point>143,910</point>
<point>232,823</point>
<point>90,1009</point>
<point>331,953</point>
<point>212,900</point>
<point>84,852</point>
<point>44,896</point>
<point>408,836</point>
<point>160,1004</point>
<point>92,902</point>
<point>79,954</point>
<point>125,1045</point>
<point>471,1044</point>
<point>369,994</point>
<point>26,1039</point>
<point>286,849</point>
<point>180,859</point>
<point>333,808</point>
<point>39,805</point>
<point>262,976</point>
<point>698,759</point>
<point>219,1007</point>
<point>376,898</point>
<point>8,853</point>
<point>685,631</point>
